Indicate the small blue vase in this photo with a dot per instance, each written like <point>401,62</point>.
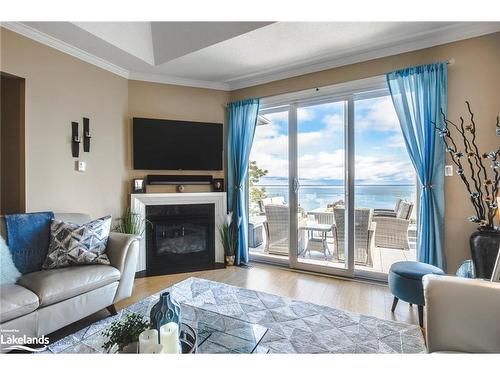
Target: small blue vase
<point>165,311</point>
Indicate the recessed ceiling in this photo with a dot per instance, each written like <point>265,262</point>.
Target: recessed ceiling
<point>231,55</point>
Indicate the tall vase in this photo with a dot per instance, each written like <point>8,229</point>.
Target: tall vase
<point>165,311</point>
<point>484,245</point>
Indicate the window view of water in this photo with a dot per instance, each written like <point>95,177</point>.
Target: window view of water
<point>368,196</point>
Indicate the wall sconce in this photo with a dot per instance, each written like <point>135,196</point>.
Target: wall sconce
<point>86,135</point>
<point>75,140</point>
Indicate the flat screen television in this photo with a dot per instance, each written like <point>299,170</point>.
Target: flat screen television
<point>175,145</point>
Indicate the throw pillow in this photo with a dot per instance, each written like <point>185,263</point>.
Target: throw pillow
<point>72,244</point>
<point>8,271</point>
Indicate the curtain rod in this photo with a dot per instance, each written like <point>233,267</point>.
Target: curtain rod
<point>449,62</point>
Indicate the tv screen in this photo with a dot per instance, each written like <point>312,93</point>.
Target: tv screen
<point>173,144</point>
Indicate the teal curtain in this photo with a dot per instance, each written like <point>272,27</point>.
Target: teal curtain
<point>242,120</point>
<point>419,94</point>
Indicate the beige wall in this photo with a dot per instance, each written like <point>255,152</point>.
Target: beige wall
<point>475,76</point>
<point>154,100</point>
<point>61,89</point>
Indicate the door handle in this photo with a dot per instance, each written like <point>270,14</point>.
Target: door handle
<point>296,185</point>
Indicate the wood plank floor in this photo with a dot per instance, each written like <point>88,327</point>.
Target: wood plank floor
<point>359,297</point>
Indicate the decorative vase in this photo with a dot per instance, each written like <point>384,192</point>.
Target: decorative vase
<point>484,245</point>
<point>165,311</point>
<point>230,260</point>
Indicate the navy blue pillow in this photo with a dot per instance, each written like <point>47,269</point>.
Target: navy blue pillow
<point>28,237</point>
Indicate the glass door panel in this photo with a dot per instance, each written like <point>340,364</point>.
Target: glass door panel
<point>269,226</point>
<point>385,189</point>
<point>320,187</point>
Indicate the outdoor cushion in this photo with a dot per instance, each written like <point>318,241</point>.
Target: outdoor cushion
<point>16,301</point>
<point>56,285</point>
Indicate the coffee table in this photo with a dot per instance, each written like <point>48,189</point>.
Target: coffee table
<point>219,333</point>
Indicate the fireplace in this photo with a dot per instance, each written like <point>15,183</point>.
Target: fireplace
<point>180,238</point>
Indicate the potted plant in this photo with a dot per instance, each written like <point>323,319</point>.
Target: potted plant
<point>123,335</point>
<point>229,237</point>
<point>131,223</point>
<point>480,173</point>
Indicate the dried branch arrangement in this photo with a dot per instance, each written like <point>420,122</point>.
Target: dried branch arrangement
<point>482,176</point>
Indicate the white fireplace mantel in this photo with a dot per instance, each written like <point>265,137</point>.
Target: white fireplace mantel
<point>140,201</point>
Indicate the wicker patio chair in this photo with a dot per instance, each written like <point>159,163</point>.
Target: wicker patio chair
<point>392,232</point>
<point>364,229</point>
<point>277,228</point>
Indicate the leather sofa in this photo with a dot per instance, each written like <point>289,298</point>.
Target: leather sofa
<point>44,301</point>
<point>462,315</point>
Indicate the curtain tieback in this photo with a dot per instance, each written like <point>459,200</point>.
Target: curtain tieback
<point>428,186</point>
<point>238,187</point>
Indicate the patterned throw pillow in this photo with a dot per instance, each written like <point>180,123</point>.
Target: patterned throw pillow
<point>72,244</point>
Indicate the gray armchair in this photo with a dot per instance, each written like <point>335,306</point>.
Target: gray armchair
<point>364,229</point>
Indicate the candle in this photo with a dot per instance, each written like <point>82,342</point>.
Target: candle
<point>153,349</point>
<point>169,337</point>
<point>146,339</point>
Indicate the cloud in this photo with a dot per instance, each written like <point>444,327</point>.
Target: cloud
<point>396,141</point>
<point>321,153</point>
<point>376,115</point>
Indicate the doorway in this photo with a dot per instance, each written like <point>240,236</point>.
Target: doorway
<point>12,145</point>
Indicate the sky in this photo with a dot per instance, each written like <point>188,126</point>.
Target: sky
<point>380,154</point>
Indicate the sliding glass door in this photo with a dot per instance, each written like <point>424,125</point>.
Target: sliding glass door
<point>332,189</point>
<point>320,190</point>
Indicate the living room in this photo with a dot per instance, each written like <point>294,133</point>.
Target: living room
<point>250,187</point>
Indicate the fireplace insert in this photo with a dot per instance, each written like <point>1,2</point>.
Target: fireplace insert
<point>180,238</point>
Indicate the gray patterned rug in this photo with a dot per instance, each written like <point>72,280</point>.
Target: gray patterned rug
<point>293,326</point>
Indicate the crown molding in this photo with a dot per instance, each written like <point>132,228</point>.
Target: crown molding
<point>67,48</point>
<point>180,81</point>
<point>393,46</point>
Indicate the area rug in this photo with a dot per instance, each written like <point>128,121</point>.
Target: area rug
<point>293,326</point>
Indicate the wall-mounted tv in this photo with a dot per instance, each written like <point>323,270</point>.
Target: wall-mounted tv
<point>175,145</point>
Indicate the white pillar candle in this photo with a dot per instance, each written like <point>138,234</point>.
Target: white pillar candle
<point>153,349</point>
<point>169,337</point>
<point>146,339</point>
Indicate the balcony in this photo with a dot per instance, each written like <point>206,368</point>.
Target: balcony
<point>382,237</point>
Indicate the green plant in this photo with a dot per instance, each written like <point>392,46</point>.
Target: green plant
<point>229,235</point>
<point>126,331</point>
<point>257,193</point>
<point>131,223</point>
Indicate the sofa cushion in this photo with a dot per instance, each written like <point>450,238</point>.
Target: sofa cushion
<point>72,244</point>
<point>16,301</point>
<point>52,286</point>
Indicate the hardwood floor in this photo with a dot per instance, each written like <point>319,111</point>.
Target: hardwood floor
<point>359,297</point>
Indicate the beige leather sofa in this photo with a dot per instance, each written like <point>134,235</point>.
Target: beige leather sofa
<point>462,315</point>
<point>44,301</point>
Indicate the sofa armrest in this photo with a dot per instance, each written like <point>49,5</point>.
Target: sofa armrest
<point>123,253</point>
<point>462,315</point>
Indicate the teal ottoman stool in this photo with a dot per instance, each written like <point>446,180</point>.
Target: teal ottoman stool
<point>405,282</point>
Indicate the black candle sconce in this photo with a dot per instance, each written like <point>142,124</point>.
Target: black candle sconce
<point>86,134</point>
<point>75,140</point>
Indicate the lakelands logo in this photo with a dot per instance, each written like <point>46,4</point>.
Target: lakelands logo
<point>11,340</point>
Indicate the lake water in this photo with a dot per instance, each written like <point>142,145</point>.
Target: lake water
<point>366,196</point>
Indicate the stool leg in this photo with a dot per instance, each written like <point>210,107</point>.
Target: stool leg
<point>394,303</point>
<point>421,316</point>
